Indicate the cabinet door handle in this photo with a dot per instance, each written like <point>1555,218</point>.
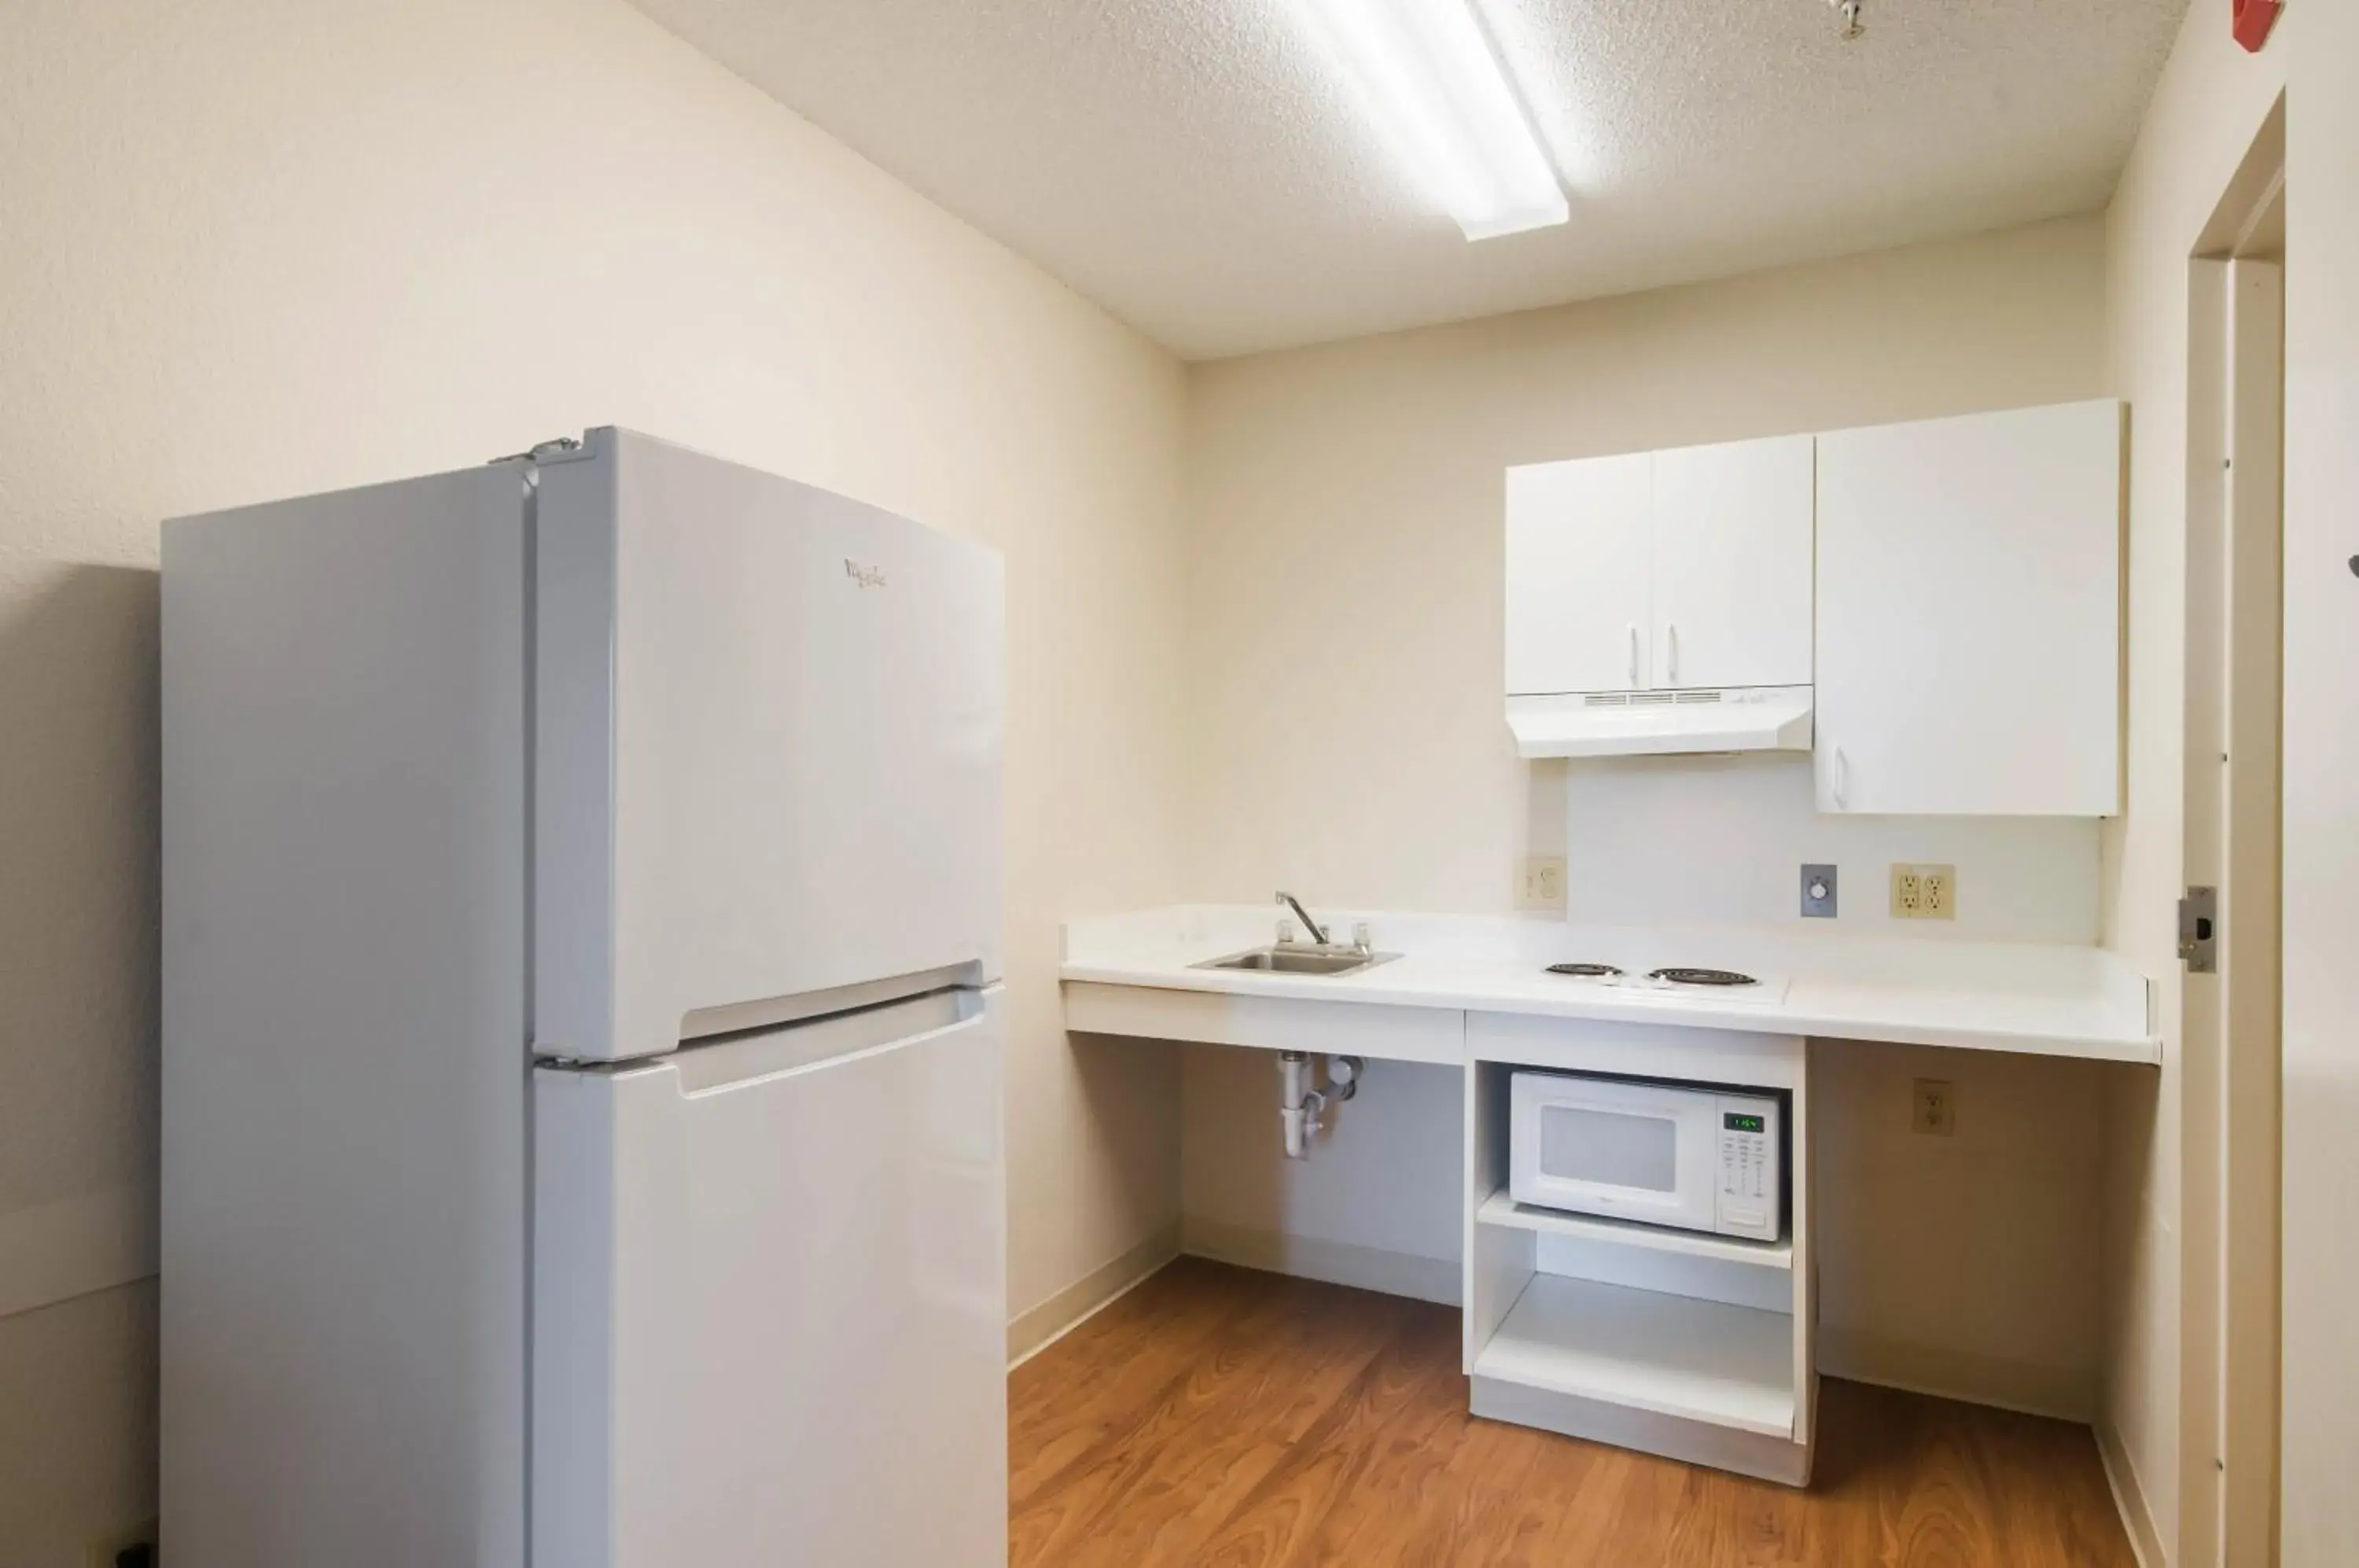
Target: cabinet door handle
<point>1634,654</point>
<point>1842,779</point>
<point>1671,639</point>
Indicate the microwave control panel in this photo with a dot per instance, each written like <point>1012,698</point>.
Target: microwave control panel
<point>1749,1167</point>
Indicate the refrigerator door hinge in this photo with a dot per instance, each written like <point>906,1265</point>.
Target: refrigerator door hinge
<point>2199,930</point>
<point>555,450</point>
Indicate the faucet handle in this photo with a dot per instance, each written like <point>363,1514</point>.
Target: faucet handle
<point>1362,938</point>
<point>1284,932</point>
<point>1317,933</point>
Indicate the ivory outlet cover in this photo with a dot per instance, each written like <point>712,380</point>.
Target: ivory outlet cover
<point>1924,892</point>
<point>1541,883</point>
<point>1934,1107</point>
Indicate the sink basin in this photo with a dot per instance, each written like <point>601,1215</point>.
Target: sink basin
<point>1299,961</point>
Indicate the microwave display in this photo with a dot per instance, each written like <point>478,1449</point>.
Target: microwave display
<point>1737,1121</point>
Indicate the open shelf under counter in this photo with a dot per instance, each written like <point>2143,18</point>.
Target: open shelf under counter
<point>1675,1356</point>
<point>1687,1343</point>
<point>1501,1209</point>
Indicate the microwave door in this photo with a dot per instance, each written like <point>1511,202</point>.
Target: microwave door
<point>1624,1150</point>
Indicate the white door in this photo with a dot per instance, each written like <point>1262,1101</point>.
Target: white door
<point>1733,565</point>
<point>1578,609</point>
<point>768,750</point>
<point>1969,614</point>
<point>769,1300</point>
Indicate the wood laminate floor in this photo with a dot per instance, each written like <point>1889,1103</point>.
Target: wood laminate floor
<point>1218,1416</point>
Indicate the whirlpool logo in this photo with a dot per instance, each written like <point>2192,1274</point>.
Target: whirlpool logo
<point>866,576</point>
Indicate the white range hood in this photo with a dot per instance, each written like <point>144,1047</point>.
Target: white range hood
<point>1655,723</point>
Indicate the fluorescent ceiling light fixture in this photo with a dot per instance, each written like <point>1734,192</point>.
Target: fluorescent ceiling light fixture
<point>1426,76</point>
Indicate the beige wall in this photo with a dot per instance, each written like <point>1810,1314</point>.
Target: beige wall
<point>249,250</point>
<point>1381,1203</point>
<point>2212,101</point>
<point>1963,1265</point>
<point>1346,738</point>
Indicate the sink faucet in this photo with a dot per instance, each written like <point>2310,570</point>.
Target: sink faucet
<point>1318,932</point>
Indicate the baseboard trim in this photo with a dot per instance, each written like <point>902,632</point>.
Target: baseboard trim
<point>1037,1328</point>
<point>1334,1262</point>
<point>2129,1498</point>
<point>2025,1386</point>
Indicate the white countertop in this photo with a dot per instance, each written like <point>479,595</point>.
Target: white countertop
<point>2036,998</point>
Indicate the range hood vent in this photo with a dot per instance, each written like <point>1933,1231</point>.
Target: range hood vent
<point>1655,723</point>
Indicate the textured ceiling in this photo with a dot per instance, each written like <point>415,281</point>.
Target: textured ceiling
<point>1192,165</point>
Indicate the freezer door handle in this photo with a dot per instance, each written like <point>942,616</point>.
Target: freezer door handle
<point>717,1064</point>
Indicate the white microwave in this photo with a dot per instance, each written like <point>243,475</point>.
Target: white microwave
<point>1668,1154</point>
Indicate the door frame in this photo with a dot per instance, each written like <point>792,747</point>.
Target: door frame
<point>2231,1062</point>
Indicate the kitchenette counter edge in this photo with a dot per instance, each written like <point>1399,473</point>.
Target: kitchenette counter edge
<point>1134,973</point>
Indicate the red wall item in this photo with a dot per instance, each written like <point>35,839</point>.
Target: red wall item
<point>2253,21</point>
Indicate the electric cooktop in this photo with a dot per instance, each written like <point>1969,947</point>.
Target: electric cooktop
<point>1730,984</point>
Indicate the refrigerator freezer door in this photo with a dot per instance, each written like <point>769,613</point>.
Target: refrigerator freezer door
<point>766,750</point>
<point>768,1299</point>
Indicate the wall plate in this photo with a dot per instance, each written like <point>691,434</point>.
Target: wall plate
<point>1540,884</point>
<point>1818,892</point>
<point>1924,892</point>
<point>1934,1107</point>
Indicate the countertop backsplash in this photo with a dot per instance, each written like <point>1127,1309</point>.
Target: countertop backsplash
<point>1725,838</point>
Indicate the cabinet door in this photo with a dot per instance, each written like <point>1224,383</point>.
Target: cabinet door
<point>1732,564</point>
<point>1577,567</point>
<point>1969,641</point>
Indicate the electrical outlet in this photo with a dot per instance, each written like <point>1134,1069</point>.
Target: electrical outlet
<point>1541,886</point>
<point>1935,1108</point>
<point>1924,892</point>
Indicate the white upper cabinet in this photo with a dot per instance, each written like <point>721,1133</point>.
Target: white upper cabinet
<point>1732,564</point>
<point>1969,614</point>
<point>1578,614</point>
<point>1661,570</point>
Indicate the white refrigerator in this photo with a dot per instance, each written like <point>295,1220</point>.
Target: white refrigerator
<point>582,1026</point>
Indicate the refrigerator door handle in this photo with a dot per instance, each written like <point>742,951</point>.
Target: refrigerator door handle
<point>768,1012</point>
<point>720,1064</point>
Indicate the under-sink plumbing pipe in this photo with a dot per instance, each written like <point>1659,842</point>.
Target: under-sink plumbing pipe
<point>1300,1104</point>
<point>1295,1110</point>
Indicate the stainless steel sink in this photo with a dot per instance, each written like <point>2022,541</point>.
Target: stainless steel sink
<point>1299,959</point>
